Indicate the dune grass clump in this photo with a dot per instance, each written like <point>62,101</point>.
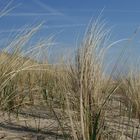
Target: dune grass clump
<point>19,73</point>
<point>130,87</point>
<point>77,93</point>
<point>85,89</point>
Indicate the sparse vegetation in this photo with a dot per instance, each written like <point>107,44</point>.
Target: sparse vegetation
<point>74,100</point>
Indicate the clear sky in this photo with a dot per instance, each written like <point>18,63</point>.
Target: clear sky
<point>69,18</point>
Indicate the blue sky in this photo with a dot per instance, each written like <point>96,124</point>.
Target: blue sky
<point>68,19</point>
<point>72,16</point>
